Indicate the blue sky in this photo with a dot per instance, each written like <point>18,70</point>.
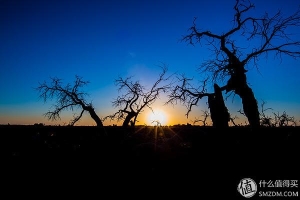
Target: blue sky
<point>102,40</point>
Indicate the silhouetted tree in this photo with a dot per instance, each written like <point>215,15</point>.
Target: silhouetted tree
<point>156,122</point>
<point>204,120</point>
<point>218,111</point>
<point>284,119</point>
<point>135,97</point>
<point>67,97</point>
<point>264,119</point>
<point>230,60</point>
<point>279,120</point>
<point>189,95</point>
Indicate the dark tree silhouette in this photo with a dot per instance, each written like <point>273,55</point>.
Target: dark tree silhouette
<point>279,120</point>
<point>67,97</point>
<point>218,111</point>
<point>231,60</point>
<point>189,95</point>
<point>135,97</point>
<point>204,120</point>
<point>264,119</point>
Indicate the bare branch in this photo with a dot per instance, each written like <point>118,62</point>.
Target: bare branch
<point>270,30</point>
<point>265,120</point>
<point>284,120</point>
<point>263,35</point>
<point>187,94</point>
<point>232,120</point>
<point>76,118</point>
<point>205,116</point>
<point>135,97</point>
<point>67,97</point>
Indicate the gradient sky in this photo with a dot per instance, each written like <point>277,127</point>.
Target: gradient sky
<point>102,40</point>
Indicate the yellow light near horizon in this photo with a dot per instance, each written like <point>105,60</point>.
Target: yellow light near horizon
<point>157,117</point>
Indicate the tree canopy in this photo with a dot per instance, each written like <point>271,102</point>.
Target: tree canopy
<point>264,34</point>
<point>67,97</point>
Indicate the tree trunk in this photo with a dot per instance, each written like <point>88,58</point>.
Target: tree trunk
<point>129,116</point>
<point>218,111</point>
<point>250,106</point>
<point>94,116</point>
<point>238,83</point>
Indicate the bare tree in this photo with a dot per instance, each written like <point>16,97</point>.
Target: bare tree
<point>264,119</point>
<point>156,122</point>
<point>279,120</point>
<point>187,94</point>
<point>230,60</point>
<point>284,119</point>
<point>135,97</point>
<point>67,97</point>
<point>205,115</point>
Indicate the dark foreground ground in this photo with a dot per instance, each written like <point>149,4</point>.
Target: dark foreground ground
<point>185,160</point>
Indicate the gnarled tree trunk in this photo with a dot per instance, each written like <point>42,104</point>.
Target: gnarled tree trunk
<point>249,105</point>
<point>218,111</point>
<point>94,116</point>
<point>129,116</point>
<point>238,83</point>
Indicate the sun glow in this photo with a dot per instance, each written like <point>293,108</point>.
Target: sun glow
<point>157,117</point>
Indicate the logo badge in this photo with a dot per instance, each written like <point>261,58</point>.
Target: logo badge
<point>247,187</point>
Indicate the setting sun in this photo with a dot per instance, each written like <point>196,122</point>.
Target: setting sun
<point>157,117</point>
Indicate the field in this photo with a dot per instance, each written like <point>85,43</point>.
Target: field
<point>178,155</point>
